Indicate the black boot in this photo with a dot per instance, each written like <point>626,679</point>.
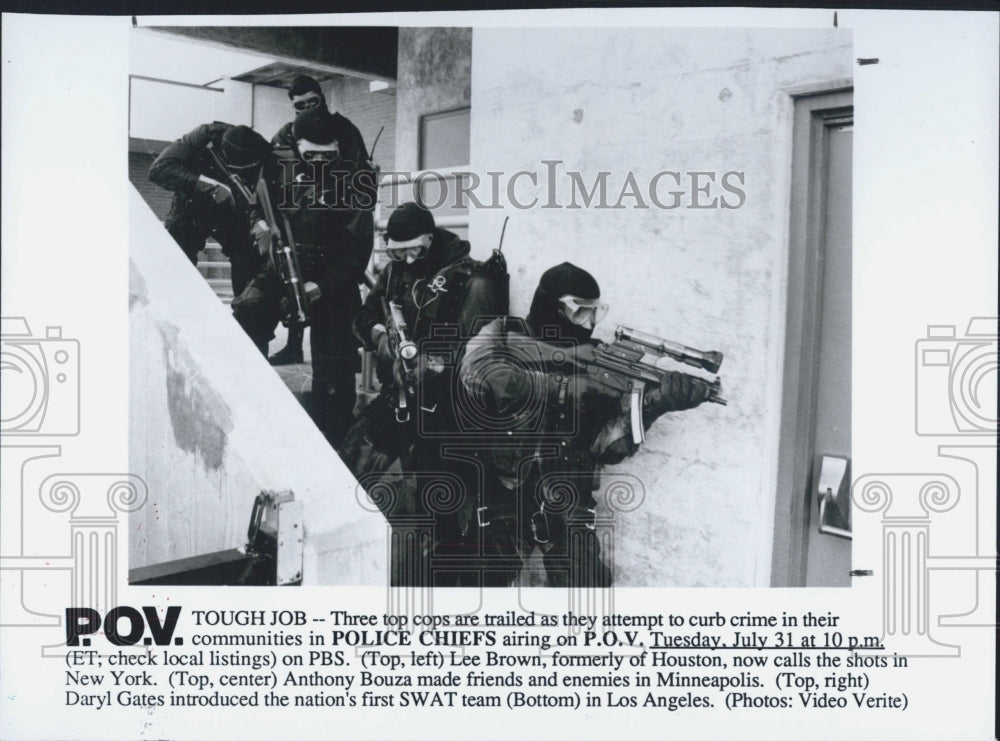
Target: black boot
<point>291,353</point>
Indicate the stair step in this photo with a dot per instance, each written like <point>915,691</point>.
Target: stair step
<point>223,287</point>
<point>214,266</point>
<point>213,270</point>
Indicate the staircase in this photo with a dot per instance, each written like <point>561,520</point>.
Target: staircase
<point>221,429</point>
<point>214,267</point>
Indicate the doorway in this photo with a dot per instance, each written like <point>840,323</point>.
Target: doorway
<point>814,470</point>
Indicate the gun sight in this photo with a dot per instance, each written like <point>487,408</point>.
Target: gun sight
<point>710,360</point>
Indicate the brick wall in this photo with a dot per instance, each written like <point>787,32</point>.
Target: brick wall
<point>369,112</point>
<point>138,169</point>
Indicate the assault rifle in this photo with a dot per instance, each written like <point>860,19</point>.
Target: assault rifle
<point>403,351</point>
<point>633,360</point>
<point>299,294</point>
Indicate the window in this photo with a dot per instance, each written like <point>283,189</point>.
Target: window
<point>444,139</point>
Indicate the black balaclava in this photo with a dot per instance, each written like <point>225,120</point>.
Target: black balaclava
<point>243,147</point>
<point>304,84</point>
<point>561,280</point>
<point>317,125</point>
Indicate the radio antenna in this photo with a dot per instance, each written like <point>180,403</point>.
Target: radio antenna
<point>504,229</point>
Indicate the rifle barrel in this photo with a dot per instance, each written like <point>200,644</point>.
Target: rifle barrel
<point>710,361</point>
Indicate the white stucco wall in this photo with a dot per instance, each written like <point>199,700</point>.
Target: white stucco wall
<point>211,425</point>
<point>645,101</point>
<point>271,110</point>
<point>164,112</point>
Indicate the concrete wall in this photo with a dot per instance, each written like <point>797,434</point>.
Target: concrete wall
<point>271,110</point>
<point>645,101</point>
<point>433,75</point>
<point>212,424</point>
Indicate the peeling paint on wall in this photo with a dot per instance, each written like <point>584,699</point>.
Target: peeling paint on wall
<point>201,421</point>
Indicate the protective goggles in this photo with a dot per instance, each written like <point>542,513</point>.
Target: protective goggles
<point>307,103</point>
<point>311,151</point>
<point>401,251</point>
<point>583,311</point>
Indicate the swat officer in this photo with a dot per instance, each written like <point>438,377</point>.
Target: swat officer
<point>560,425</point>
<point>305,94</point>
<point>316,189</point>
<point>442,295</point>
<point>434,283</point>
<point>200,168</point>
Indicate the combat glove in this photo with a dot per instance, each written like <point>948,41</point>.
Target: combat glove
<point>220,193</point>
<point>677,392</point>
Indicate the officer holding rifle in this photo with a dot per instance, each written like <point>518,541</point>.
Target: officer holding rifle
<point>430,282</point>
<point>307,200</point>
<point>560,405</point>
<point>207,170</point>
<point>431,287</point>
<point>305,95</point>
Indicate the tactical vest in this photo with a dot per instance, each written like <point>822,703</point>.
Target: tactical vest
<point>449,284</point>
<point>437,299</point>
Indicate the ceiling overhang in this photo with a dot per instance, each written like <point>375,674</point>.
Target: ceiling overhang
<point>367,52</point>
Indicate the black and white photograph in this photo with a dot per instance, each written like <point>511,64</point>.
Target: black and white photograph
<point>534,306</point>
<point>586,374</point>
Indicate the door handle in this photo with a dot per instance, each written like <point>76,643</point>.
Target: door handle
<point>831,478</point>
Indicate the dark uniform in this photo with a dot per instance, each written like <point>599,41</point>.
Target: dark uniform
<point>319,209</point>
<point>194,213</point>
<point>452,289</point>
<point>306,94</point>
<point>444,297</point>
<point>362,221</point>
<point>541,467</point>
